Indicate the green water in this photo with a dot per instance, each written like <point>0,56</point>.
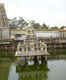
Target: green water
<point>57,52</point>
<point>57,71</point>
<point>36,72</point>
<point>4,69</point>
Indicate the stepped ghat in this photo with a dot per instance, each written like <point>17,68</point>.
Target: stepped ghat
<point>30,46</point>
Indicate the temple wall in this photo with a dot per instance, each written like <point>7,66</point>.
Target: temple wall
<point>4,34</point>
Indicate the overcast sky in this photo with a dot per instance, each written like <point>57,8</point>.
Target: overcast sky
<point>52,12</point>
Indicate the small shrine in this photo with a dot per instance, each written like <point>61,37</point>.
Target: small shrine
<point>31,48</point>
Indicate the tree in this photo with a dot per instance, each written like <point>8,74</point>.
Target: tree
<point>44,26</point>
<point>35,25</point>
<point>17,23</point>
<point>62,27</point>
<point>22,23</point>
<point>12,23</point>
<point>54,28</point>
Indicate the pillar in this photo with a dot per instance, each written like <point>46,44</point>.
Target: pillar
<point>26,49</point>
<point>38,58</point>
<point>18,46</point>
<point>23,49</point>
<point>35,60</point>
<point>42,49</point>
<point>42,59</point>
<point>46,59</point>
<point>25,60</point>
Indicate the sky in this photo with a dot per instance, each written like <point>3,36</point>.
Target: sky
<point>51,12</point>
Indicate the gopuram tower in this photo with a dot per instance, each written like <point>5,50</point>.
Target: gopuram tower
<point>3,16</point>
<point>4,30</point>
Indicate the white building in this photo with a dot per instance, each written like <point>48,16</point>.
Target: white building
<point>48,34</point>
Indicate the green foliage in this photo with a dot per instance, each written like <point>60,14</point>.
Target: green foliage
<point>34,24</point>
<point>22,23</point>
<point>44,26</point>
<point>62,27</point>
<point>54,28</point>
<point>17,23</point>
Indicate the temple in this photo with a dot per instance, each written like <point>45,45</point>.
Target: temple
<point>3,16</point>
<point>4,30</point>
<point>30,47</point>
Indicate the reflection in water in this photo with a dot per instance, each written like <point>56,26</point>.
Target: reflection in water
<point>57,70</point>
<point>32,72</point>
<point>36,75</point>
<point>12,73</point>
<point>4,70</point>
<point>33,76</point>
